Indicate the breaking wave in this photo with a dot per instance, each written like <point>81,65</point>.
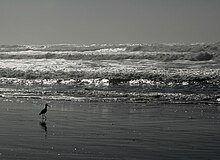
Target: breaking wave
<point>101,90</point>
<point>117,77</point>
<point>160,52</point>
<point>202,56</point>
<point>157,73</point>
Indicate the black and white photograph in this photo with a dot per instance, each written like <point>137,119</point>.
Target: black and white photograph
<point>109,79</point>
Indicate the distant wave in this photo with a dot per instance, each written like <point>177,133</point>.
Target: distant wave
<point>202,56</point>
<point>160,52</point>
<point>194,52</point>
<point>58,47</point>
<point>202,47</point>
<point>208,47</point>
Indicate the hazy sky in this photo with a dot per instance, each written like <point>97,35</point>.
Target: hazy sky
<point>109,21</point>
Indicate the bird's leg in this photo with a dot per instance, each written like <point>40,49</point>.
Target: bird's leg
<point>43,117</point>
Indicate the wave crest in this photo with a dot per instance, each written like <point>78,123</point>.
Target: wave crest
<point>202,56</point>
<point>159,52</point>
<point>117,77</point>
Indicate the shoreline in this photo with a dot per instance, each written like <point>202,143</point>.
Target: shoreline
<point>108,130</point>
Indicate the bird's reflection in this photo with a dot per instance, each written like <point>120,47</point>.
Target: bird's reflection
<point>43,125</point>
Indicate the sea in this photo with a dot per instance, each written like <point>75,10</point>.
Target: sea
<point>110,101</point>
<point>128,73</point>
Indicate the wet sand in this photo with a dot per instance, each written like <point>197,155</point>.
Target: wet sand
<point>108,131</point>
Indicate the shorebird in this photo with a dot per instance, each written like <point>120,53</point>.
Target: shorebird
<point>44,111</point>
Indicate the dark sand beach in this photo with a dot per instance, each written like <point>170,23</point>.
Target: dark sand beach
<point>126,80</point>
<point>108,131</point>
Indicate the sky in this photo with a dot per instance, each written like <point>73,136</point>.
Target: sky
<point>109,21</point>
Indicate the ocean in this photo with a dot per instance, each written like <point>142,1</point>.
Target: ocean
<point>110,102</point>
<point>143,73</point>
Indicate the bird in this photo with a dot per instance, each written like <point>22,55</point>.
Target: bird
<point>44,111</point>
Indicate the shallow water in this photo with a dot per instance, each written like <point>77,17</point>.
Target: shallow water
<point>108,131</point>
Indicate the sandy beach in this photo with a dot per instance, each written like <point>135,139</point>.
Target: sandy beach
<point>125,80</point>
<point>108,131</point>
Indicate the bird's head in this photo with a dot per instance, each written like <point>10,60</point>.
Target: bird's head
<point>47,105</point>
